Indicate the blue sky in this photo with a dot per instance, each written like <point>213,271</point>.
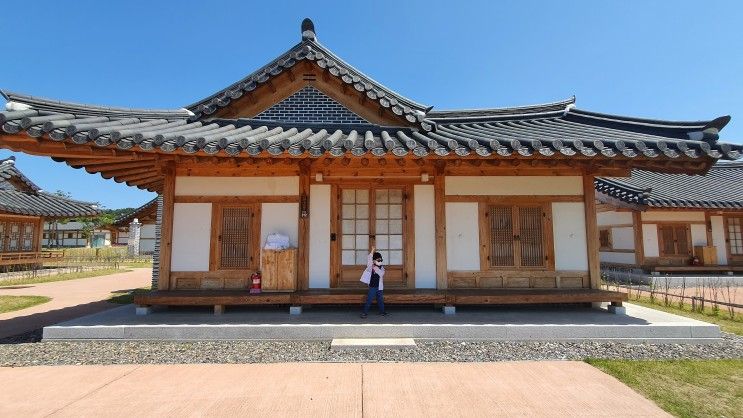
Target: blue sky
<point>676,60</point>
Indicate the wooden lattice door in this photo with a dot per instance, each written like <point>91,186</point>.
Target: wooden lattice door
<point>236,237</point>
<point>516,237</point>
<point>366,217</point>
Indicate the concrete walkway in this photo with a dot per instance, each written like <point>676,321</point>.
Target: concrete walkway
<point>316,389</point>
<point>70,299</point>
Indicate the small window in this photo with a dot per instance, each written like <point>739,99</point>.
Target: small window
<point>605,239</point>
<point>674,240</point>
<point>237,237</point>
<point>70,235</point>
<point>516,237</point>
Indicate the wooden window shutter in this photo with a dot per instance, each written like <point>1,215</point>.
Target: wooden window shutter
<point>236,238</point>
<point>501,236</point>
<point>666,235</point>
<point>682,240</point>
<point>531,237</point>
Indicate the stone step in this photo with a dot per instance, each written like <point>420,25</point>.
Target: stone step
<point>365,343</point>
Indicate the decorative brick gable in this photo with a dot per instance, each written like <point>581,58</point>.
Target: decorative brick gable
<point>310,105</point>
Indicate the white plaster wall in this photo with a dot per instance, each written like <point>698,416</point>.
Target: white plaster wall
<point>191,236</point>
<point>623,238</point>
<point>514,185</point>
<point>147,231</point>
<point>569,231</point>
<point>620,258</point>
<point>236,186</point>
<point>425,237</point>
<point>650,240</point>
<point>718,239</point>
<point>319,236</point>
<point>698,234</point>
<point>280,218</point>
<point>663,216</point>
<point>462,236</point>
<point>614,218</point>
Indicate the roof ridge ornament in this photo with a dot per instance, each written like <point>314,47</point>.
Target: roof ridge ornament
<point>308,30</point>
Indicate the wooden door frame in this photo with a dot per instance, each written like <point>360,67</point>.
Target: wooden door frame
<point>216,230</point>
<point>674,225</point>
<point>733,259</point>
<point>408,235</point>
<point>547,237</point>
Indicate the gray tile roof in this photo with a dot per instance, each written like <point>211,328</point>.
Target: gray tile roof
<point>310,50</point>
<point>720,188</point>
<point>567,133</point>
<point>148,209</point>
<point>33,201</point>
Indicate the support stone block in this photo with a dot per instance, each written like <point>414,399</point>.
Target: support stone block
<point>218,309</point>
<point>618,310</point>
<point>450,310</point>
<point>295,310</point>
<point>143,310</point>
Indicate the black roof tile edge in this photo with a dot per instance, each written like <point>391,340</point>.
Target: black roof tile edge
<point>126,219</point>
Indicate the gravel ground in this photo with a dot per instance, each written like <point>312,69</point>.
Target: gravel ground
<point>25,350</point>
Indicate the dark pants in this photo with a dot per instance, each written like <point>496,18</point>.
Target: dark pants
<point>374,291</point>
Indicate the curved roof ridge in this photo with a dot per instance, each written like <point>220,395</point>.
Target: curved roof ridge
<point>61,106</point>
<point>310,49</point>
<point>557,105</point>
<point>718,122</point>
<point>126,219</point>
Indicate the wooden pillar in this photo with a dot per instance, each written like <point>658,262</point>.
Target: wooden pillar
<point>639,244</point>
<point>592,234</point>
<point>708,227</point>
<point>303,237</point>
<point>439,199</point>
<point>39,235</point>
<point>166,229</point>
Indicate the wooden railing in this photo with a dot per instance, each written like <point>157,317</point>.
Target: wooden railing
<point>29,257</point>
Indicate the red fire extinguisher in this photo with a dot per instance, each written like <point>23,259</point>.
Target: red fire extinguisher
<point>255,282</point>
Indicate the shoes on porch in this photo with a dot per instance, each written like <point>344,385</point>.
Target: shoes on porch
<point>363,316</point>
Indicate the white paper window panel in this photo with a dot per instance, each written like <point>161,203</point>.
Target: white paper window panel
<point>382,242</point>
<point>362,211</point>
<point>383,226</point>
<point>362,196</point>
<point>349,226</point>
<point>361,257</point>
<point>395,211</point>
<point>362,227</point>
<point>348,211</point>
<point>362,242</point>
<point>348,242</point>
<point>348,257</point>
<point>395,196</point>
<point>395,242</point>
<point>349,196</point>
<point>395,227</point>
<point>382,196</point>
<point>383,211</point>
<point>395,257</point>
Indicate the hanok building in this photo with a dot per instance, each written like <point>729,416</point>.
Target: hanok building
<point>462,204</point>
<point>660,221</point>
<point>23,209</point>
<point>145,219</point>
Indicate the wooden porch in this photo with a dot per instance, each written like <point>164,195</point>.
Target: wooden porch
<point>449,297</point>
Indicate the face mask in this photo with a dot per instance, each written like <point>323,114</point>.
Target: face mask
<point>377,263</point>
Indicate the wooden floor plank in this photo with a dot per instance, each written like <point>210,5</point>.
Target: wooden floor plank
<point>354,296</point>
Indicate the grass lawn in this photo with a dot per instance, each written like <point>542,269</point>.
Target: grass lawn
<point>136,265</point>
<point>15,303</point>
<point>722,318</point>
<point>58,277</point>
<point>684,388</point>
<point>125,298</point>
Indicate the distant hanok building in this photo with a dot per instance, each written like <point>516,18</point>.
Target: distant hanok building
<point>467,206</point>
<point>660,221</point>
<point>24,208</point>
<point>146,216</point>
